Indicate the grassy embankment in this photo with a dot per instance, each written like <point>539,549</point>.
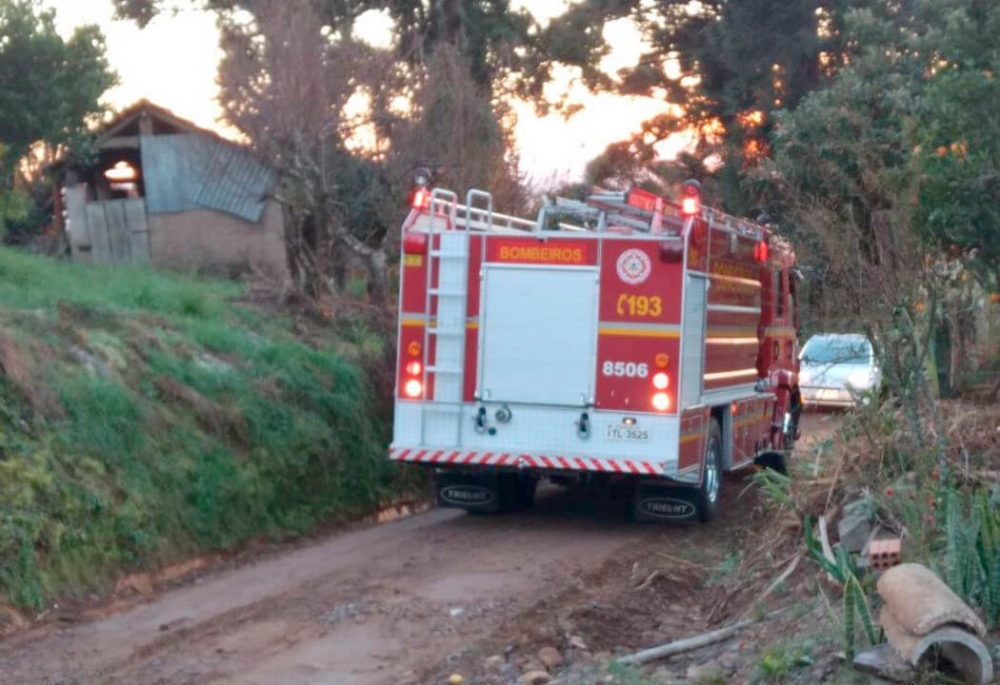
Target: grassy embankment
<point>145,417</point>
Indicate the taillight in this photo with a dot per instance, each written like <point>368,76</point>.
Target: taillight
<point>413,388</point>
<point>414,243</point>
<point>661,381</point>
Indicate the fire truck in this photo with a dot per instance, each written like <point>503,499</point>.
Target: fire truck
<point>624,339</point>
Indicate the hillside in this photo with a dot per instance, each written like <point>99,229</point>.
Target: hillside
<point>147,416</point>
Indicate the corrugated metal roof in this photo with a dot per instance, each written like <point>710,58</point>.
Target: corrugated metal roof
<point>191,171</point>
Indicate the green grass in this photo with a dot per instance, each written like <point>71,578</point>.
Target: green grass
<point>148,416</point>
<point>38,283</point>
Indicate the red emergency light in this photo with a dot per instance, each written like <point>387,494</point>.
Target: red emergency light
<point>691,198</point>
<point>421,199</point>
<point>760,251</point>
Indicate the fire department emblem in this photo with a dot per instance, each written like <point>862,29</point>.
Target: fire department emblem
<point>634,266</point>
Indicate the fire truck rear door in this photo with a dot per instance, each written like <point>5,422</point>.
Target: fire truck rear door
<point>538,334</point>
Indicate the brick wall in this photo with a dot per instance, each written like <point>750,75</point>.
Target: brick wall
<point>210,241</point>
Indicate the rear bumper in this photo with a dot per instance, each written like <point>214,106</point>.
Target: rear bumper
<point>515,460</point>
<point>828,397</point>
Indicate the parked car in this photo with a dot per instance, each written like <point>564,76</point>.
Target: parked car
<point>837,370</point>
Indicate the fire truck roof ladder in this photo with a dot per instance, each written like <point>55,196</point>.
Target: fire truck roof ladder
<point>604,209</point>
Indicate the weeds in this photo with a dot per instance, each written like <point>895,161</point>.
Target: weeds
<point>777,487</point>
<point>855,608</point>
<point>970,536</point>
<point>779,660</point>
<point>726,568</point>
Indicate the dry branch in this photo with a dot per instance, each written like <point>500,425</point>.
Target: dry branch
<point>691,643</point>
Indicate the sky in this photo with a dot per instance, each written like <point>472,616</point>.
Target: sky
<point>173,63</point>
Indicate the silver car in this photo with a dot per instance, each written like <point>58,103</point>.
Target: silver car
<point>837,370</point>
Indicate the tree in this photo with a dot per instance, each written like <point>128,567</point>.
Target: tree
<point>847,174</point>
<point>729,66</point>
<point>497,41</point>
<point>959,136</point>
<point>345,124</point>
<point>49,88</point>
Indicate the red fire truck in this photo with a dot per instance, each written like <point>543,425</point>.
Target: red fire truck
<point>624,338</point>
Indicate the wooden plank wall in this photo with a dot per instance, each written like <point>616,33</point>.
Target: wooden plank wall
<point>119,231</point>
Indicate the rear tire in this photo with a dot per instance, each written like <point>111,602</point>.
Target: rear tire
<point>517,491</point>
<point>526,488</point>
<point>710,489</point>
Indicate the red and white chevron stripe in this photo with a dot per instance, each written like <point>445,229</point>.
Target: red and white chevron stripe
<point>535,461</point>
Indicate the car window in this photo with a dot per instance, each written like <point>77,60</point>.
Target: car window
<point>837,351</point>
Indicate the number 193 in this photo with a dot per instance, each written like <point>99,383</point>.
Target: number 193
<point>639,305</point>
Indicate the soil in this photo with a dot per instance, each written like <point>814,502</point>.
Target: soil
<point>412,600</point>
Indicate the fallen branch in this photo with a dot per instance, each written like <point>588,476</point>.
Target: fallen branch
<point>691,643</point>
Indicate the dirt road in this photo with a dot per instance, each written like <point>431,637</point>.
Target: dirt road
<point>361,608</point>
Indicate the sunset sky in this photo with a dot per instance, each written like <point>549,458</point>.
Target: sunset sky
<point>172,63</point>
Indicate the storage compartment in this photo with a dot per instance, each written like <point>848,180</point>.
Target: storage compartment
<point>538,335</point>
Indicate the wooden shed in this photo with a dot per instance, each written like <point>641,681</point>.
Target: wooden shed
<point>165,192</point>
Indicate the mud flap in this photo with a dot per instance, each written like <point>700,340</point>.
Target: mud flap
<point>776,461</point>
<point>665,504</point>
<point>469,491</point>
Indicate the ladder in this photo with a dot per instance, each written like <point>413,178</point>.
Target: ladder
<point>608,208</point>
<point>446,306</point>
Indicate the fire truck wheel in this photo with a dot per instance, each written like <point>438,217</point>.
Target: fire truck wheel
<point>517,491</point>
<point>526,492</point>
<point>711,482</point>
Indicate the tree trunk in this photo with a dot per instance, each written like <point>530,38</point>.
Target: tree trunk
<point>378,277</point>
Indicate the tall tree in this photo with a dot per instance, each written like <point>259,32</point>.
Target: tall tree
<point>498,42</point>
<point>959,136</point>
<point>729,66</point>
<point>49,88</point>
<point>345,123</point>
<point>862,171</point>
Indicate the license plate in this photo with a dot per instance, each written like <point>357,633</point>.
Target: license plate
<point>627,434</point>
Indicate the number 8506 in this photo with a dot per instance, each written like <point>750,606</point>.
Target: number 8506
<point>625,369</point>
